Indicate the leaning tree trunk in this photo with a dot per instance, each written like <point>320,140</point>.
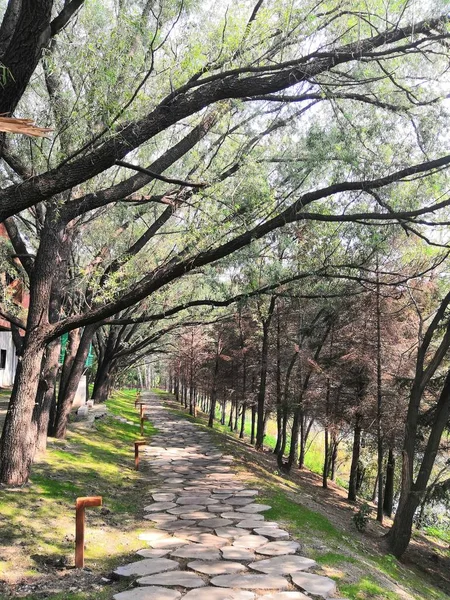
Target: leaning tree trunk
<point>413,491</point>
<point>65,399</point>
<point>102,380</point>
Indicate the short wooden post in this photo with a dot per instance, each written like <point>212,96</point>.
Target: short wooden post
<point>80,506</point>
<point>142,425</point>
<point>141,406</point>
<point>136,452</point>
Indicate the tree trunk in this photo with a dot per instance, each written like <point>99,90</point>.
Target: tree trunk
<point>253,429</point>
<point>67,393</point>
<point>47,393</point>
<point>412,492</point>
<point>18,443</point>
<point>353,482</point>
<point>388,501</point>
<point>263,376</point>
<point>276,450</point>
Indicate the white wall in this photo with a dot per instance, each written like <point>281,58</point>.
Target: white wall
<point>8,373</point>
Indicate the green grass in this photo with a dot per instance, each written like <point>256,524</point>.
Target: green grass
<point>440,534</point>
<point>39,518</point>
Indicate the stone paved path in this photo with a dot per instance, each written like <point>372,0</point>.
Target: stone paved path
<point>209,539</point>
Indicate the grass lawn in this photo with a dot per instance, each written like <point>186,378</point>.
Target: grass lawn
<point>37,521</point>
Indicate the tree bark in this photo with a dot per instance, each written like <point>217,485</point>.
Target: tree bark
<point>388,501</point>
<point>353,482</point>
<point>263,376</point>
<point>65,399</point>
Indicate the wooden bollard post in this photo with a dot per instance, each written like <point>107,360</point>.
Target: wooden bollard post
<point>142,425</point>
<point>141,406</point>
<point>80,506</point>
<point>136,452</point>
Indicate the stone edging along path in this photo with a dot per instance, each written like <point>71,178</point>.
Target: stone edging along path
<point>209,539</point>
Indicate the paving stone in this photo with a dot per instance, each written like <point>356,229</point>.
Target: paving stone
<point>216,567</point>
<point>234,553</point>
<point>247,493</point>
<point>250,541</point>
<point>148,566</point>
<point>160,517</point>
<point>278,548</point>
<point>159,506</point>
<point>148,593</point>
<point>218,508</point>
<point>216,522</point>
<point>181,510</point>
<point>273,533</point>
<point>282,565</point>
<point>232,515</point>
<point>251,523</point>
<point>251,582</point>
<point>236,501</point>
<point>198,515</point>
<point>197,551</point>
<point>168,542</point>
<point>253,508</point>
<point>184,579</point>
<point>229,532</point>
<point>174,525</point>
<point>285,596</point>
<point>206,501</point>
<point>315,584</point>
<point>153,552</point>
<point>163,496</point>
<point>214,593</point>
<point>207,539</point>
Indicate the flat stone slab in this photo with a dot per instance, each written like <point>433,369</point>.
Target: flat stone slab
<point>253,508</point>
<point>148,566</point>
<point>198,515</point>
<point>160,517</point>
<point>148,593</point>
<point>207,539</point>
<point>247,493</point>
<point>278,548</point>
<point>216,567</point>
<point>159,506</point>
<point>168,542</point>
<point>213,593</point>
<point>184,579</point>
<point>239,501</point>
<point>250,541</point>
<point>252,582</point>
<point>282,565</point>
<point>229,532</point>
<point>315,584</point>
<point>205,500</point>
<point>152,552</point>
<point>182,510</point>
<point>197,551</point>
<point>163,496</point>
<point>216,522</point>
<point>233,553</point>
<point>286,596</point>
<point>273,533</point>
<point>174,525</point>
<point>252,523</point>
